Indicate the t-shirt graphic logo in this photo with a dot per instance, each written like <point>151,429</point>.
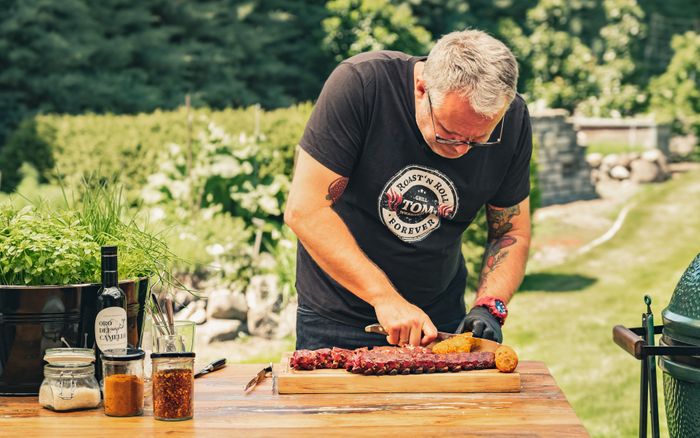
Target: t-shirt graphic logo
<point>415,200</point>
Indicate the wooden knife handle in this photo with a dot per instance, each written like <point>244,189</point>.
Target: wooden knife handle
<point>376,328</point>
<point>628,340</point>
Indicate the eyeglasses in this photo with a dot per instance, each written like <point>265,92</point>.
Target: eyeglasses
<point>474,144</point>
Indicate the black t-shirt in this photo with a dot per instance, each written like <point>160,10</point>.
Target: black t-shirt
<point>406,206</point>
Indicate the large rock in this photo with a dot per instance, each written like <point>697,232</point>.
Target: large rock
<point>217,330</point>
<point>610,161</point>
<point>658,157</point>
<point>581,138</point>
<point>264,292</point>
<point>287,323</point>
<point>653,155</point>
<point>194,311</point>
<point>264,297</point>
<point>620,172</point>
<point>184,297</point>
<point>263,324</point>
<point>683,145</point>
<point>594,160</point>
<point>199,316</point>
<point>644,171</point>
<point>626,159</point>
<point>185,312</point>
<point>227,304</point>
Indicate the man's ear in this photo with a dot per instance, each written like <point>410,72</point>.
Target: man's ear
<point>420,88</point>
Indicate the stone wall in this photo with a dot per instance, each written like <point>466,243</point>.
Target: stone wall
<point>634,132</point>
<point>563,173</point>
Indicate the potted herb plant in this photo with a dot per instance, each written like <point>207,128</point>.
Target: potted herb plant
<point>50,272</point>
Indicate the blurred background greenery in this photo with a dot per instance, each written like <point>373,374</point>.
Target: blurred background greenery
<point>99,88</point>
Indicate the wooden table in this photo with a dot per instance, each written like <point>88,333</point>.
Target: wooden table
<point>221,409</point>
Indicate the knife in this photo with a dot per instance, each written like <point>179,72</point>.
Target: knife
<point>258,378</point>
<point>216,365</point>
<point>479,343</point>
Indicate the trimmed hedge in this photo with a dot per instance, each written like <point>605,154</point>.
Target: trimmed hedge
<point>129,146</point>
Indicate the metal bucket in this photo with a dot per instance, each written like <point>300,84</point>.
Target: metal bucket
<point>34,318</point>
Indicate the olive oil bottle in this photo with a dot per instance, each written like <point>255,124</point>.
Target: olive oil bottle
<point>110,322</point>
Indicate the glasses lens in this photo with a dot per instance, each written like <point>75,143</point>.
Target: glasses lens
<point>449,142</point>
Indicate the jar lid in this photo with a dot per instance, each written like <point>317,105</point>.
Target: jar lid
<point>121,354</point>
<point>67,356</point>
<point>72,370</point>
<point>172,354</point>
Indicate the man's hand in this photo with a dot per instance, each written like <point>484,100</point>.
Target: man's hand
<point>404,322</point>
<point>482,324</point>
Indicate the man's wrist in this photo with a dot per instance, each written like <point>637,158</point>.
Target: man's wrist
<point>384,296</point>
<point>495,306</point>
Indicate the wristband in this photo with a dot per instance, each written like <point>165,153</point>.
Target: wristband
<point>495,306</point>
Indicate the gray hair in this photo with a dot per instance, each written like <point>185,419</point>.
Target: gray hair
<point>476,66</point>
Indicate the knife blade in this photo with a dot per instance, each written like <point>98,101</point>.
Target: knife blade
<point>378,329</point>
<point>258,378</point>
<point>216,365</point>
<point>478,345</point>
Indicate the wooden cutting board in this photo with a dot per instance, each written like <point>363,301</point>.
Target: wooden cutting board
<point>291,381</point>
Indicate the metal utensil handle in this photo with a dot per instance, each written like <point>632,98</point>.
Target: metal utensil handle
<point>376,328</point>
<point>170,314</point>
<point>210,368</point>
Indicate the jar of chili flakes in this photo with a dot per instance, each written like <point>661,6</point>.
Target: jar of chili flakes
<point>173,386</point>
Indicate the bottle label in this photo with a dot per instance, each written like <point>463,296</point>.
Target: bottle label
<point>110,328</point>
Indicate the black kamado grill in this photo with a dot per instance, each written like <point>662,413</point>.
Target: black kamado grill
<point>679,358</point>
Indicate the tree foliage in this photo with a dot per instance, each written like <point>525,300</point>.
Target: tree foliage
<point>357,26</point>
<point>126,56</point>
<point>27,145</point>
<point>617,92</point>
<point>676,93</point>
<point>580,54</point>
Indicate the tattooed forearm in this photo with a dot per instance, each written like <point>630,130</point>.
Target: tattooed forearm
<point>336,189</point>
<point>494,255</point>
<point>499,220</point>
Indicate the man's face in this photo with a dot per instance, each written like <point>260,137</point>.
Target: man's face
<point>454,119</point>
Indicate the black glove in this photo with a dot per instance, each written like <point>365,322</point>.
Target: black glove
<point>483,324</point>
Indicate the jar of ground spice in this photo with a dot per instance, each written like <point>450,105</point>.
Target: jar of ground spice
<point>122,370</point>
<point>173,386</point>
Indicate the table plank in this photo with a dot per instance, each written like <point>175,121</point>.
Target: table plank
<point>540,409</point>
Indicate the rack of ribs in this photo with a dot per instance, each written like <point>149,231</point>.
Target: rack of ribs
<point>390,360</point>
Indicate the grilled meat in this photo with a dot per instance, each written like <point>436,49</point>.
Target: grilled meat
<point>390,360</point>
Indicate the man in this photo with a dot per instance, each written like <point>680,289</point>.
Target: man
<point>399,155</point>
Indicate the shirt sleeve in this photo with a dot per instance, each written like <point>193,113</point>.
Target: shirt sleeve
<point>516,185</point>
<point>335,132</point>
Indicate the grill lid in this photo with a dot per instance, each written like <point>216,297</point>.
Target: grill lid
<point>682,316</point>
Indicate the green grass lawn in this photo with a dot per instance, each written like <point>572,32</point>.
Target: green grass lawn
<point>564,316</point>
<point>30,191</point>
<point>613,147</point>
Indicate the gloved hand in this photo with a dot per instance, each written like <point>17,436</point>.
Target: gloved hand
<point>483,324</point>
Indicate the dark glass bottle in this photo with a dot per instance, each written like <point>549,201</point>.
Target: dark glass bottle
<point>110,322</point>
